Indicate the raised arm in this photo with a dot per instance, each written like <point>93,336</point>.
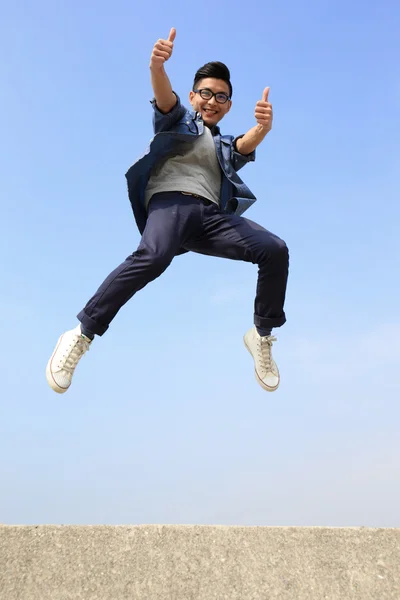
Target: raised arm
<point>162,51</point>
<point>263,114</point>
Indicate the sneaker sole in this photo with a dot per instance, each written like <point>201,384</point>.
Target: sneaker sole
<point>260,381</point>
<point>49,375</point>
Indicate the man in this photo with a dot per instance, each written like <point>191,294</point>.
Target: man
<point>186,195</point>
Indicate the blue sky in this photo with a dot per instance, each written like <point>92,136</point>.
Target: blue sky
<point>165,422</point>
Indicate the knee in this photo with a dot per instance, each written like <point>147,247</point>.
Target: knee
<point>153,261</point>
<point>276,249</point>
<point>159,265</point>
<point>282,250</point>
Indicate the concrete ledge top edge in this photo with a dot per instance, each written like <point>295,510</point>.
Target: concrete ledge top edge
<point>204,527</point>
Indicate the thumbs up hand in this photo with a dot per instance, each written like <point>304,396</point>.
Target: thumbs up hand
<point>263,111</point>
<point>162,50</point>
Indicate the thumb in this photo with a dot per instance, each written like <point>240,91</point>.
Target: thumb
<point>172,34</point>
<point>265,94</point>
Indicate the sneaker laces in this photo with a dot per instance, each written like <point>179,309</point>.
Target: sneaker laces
<point>264,351</point>
<point>75,351</point>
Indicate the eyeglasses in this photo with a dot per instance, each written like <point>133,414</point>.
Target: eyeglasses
<point>207,94</point>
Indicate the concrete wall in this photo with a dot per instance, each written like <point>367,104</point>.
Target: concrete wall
<point>198,563</point>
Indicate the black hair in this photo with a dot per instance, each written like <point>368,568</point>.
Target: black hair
<point>215,69</point>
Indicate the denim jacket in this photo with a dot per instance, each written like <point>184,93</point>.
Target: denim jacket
<point>171,129</point>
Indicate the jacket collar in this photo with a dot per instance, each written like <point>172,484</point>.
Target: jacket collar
<point>215,130</point>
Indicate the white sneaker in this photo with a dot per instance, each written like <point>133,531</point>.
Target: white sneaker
<point>70,348</point>
<point>260,348</point>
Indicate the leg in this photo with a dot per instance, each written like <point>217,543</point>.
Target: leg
<point>230,236</point>
<point>170,222</point>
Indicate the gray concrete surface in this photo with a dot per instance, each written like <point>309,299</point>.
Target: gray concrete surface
<point>198,563</point>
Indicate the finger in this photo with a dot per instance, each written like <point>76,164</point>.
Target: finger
<point>262,115</point>
<point>263,120</point>
<point>265,94</point>
<point>164,45</point>
<point>161,54</point>
<point>172,35</point>
<point>263,111</point>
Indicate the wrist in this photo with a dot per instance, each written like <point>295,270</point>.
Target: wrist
<point>156,68</point>
<point>263,129</point>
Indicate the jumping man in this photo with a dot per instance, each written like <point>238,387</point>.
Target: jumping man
<point>186,196</point>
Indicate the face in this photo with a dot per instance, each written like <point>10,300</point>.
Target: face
<point>211,110</point>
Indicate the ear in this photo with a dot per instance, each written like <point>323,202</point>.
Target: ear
<point>229,106</point>
<point>191,96</point>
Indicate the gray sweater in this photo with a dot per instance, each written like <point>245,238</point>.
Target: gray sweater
<point>195,171</point>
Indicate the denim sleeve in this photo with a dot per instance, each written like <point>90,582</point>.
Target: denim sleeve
<point>164,122</point>
<point>240,160</point>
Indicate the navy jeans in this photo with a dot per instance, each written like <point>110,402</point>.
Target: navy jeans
<point>176,222</point>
